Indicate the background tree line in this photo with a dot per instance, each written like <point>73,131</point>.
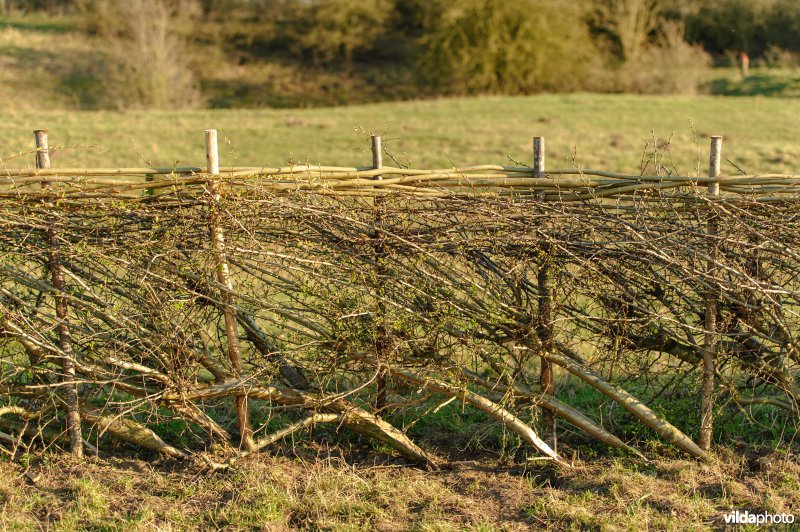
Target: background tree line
<point>433,47</point>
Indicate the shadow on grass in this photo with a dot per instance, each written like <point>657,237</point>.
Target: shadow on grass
<point>781,85</point>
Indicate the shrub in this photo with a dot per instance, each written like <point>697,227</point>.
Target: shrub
<point>755,27</point>
<point>669,66</point>
<point>146,61</point>
<point>782,24</point>
<point>336,29</point>
<point>722,25</point>
<point>776,57</point>
<point>494,46</point>
<point>628,24</point>
<point>53,6</point>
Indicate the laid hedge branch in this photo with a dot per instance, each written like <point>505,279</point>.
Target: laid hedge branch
<point>442,291</point>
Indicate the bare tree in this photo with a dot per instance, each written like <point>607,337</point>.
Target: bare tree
<point>630,22</point>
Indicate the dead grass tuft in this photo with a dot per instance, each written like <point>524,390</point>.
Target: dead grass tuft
<point>280,493</point>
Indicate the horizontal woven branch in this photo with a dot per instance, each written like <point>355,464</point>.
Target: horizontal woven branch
<point>559,185</point>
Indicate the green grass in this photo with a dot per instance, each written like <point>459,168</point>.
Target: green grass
<point>599,131</point>
<point>38,22</point>
<point>276,493</point>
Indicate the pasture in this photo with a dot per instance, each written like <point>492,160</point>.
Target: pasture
<point>610,132</point>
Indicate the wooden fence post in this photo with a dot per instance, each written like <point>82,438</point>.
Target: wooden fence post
<point>224,279</point>
<point>382,340</point>
<point>69,386</point>
<point>710,342</point>
<point>538,156</point>
<point>545,311</point>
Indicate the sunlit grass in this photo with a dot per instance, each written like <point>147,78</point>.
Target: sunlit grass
<point>594,131</point>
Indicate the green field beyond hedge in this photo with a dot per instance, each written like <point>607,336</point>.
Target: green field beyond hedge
<point>613,132</point>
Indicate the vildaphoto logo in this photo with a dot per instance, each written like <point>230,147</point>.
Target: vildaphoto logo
<point>747,518</point>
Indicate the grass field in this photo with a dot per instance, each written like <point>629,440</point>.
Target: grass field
<point>598,131</point>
